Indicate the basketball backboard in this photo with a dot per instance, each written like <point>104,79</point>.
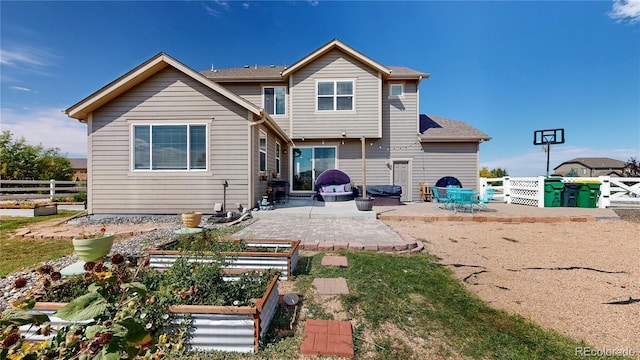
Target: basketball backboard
<point>551,136</point>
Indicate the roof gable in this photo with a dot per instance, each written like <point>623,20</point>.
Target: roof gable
<point>438,129</point>
<point>82,109</point>
<point>337,44</point>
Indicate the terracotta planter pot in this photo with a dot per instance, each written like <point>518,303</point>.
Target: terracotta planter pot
<point>93,248</point>
<point>191,220</point>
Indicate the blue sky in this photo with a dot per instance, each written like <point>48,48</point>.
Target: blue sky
<point>507,68</point>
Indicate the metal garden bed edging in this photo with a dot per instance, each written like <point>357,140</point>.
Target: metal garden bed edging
<point>221,328</point>
<point>29,211</point>
<point>286,262</point>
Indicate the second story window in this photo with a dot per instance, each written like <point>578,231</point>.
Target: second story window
<point>275,100</point>
<point>396,90</point>
<point>335,95</point>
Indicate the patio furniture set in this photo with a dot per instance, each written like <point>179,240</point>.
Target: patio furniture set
<point>456,198</point>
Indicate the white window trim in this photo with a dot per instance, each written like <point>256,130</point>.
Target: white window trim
<point>335,96</point>
<point>278,164</point>
<point>132,148</point>
<point>396,96</point>
<point>285,98</point>
<point>266,148</point>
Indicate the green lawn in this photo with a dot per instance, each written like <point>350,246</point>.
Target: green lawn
<point>20,253</point>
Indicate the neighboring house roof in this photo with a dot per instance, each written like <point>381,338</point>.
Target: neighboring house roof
<point>280,73</point>
<point>438,129</point>
<point>596,163</point>
<point>82,109</point>
<point>78,163</point>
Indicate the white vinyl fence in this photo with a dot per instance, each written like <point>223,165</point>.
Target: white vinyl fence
<point>32,189</point>
<point>614,191</point>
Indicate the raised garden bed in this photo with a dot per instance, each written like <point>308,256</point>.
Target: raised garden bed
<point>144,306</point>
<point>28,210</point>
<point>221,328</point>
<point>71,205</point>
<point>259,254</point>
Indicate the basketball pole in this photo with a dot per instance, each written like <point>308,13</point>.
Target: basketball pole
<point>548,152</point>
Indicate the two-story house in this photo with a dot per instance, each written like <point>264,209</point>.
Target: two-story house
<point>164,138</point>
<point>590,167</point>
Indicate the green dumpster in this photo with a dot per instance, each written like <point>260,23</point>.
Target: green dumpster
<point>552,192</point>
<point>588,194</point>
<point>570,195</point>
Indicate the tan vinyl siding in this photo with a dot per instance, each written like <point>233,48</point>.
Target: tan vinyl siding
<point>400,117</point>
<point>167,97</point>
<point>335,65</point>
<point>459,160</point>
<point>253,93</point>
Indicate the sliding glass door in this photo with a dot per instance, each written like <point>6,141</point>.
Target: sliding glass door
<point>309,163</point>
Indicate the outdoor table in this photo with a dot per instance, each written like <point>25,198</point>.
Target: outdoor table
<point>461,198</point>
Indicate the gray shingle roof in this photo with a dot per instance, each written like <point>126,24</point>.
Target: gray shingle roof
<point>596,163</point>
<point>404,72</point>
<point>250,73</point>
<point>272,73</point>
<point>435,129</point>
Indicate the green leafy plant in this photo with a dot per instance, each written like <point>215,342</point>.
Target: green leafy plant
<point>126,309</point>
<point>119,312</point>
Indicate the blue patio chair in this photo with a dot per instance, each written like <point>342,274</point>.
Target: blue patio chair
<point>486,198</point>
<point>440,195</point>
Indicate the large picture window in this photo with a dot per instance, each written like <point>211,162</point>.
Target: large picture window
<point>170,147</point>
<point>275,100</point>
<point>335,95</point>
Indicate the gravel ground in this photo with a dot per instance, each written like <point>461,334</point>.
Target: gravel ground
<point>581,279</point>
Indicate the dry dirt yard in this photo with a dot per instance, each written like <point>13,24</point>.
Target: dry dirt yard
<point>579,278</point>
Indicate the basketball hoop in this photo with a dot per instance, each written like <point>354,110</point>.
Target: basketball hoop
<point>547,138</point>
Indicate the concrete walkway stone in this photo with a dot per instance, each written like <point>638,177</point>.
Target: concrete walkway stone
<point>330,260</point>
<point>331,286</point>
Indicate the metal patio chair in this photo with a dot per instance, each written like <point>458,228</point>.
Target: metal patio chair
<point>440,195</point>
<point>486,198</point>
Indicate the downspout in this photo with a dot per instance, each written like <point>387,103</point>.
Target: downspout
<point>250,195</point>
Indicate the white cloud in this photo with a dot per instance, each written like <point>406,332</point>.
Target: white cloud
<point>211,11</point>
<point>224,4</point>
<point>21,59</point>
<point>534,163</point>
<point>313,2</point>
<point>245,5</point>
<point>20,88</point>
<point>48,127</point>
<point>626,10</point>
